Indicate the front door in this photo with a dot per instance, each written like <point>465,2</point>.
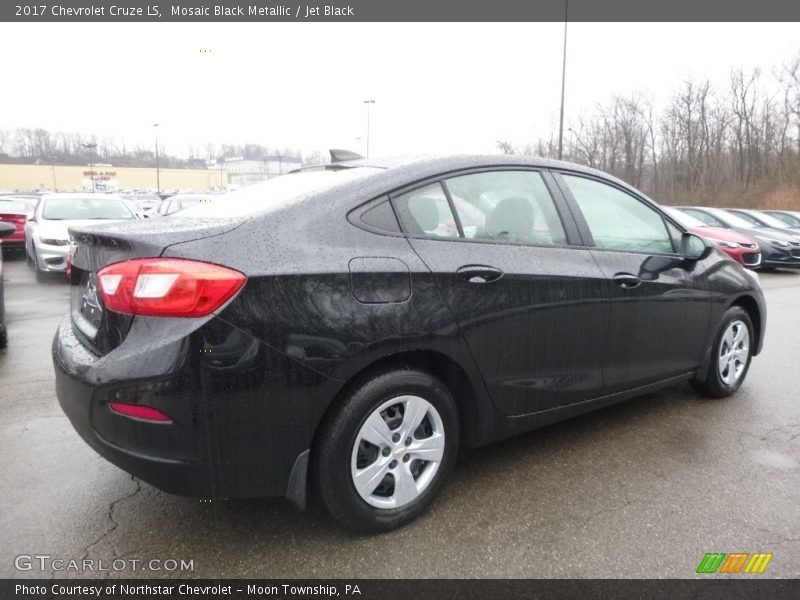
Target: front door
<point>659,310</point>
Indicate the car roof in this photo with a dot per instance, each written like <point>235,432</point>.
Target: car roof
<point>460,161</point>
<point>416,167</point>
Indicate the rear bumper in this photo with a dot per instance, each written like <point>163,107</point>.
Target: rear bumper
<point>175,476</point>
<point>13,241</point>
<point>235,431</point>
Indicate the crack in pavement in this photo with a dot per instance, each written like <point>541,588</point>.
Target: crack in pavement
<point>114,522</point>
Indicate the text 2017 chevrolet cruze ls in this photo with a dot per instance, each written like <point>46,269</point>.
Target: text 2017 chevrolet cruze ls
<point>353,325</point>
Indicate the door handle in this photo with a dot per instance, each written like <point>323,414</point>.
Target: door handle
<point>479,273</point>
<point>627,281</point>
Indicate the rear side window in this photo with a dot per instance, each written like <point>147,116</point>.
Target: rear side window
<point>426,212</point>
<point>618,220</point>
<point>506,206</point>
<point>381,216</point>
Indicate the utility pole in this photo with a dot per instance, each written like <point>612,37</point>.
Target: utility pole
<point>91,147</point>
<point>158,173</point>
<point>563,80</point>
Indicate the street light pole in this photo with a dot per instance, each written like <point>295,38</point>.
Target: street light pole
<point>91,147</point>
<point>563,79</point>
<point>158,172</point>
<point>368,103</point>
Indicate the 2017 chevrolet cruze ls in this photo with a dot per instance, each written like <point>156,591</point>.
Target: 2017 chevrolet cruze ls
<point>347,328</point>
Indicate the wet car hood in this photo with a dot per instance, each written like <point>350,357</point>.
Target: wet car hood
<point>725,235</point>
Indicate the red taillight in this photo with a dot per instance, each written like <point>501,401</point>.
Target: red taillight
<point>137,411</point>
<point>167,287</point>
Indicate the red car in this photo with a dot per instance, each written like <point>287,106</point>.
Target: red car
<point>15,211</point>
<point>741,248</point>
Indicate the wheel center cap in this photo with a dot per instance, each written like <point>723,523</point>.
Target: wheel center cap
<point>399,452</point>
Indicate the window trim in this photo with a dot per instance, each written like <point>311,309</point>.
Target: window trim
<point>583,226</point>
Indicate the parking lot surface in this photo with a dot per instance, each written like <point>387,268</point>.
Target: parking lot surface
<point>642,489</point>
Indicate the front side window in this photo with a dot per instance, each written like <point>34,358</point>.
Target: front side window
<point>506,206</point>
<point>617,220</point>
<point>426,212</point>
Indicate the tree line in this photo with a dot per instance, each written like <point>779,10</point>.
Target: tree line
<point>40,146</point>
<point>737,144</point>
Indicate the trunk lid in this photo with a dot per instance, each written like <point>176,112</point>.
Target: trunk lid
<point>96,246</point>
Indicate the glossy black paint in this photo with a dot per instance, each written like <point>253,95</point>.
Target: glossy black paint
<point>524,336</point>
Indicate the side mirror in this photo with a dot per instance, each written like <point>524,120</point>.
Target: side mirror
<point>693,247</point>
<point>6,229</point>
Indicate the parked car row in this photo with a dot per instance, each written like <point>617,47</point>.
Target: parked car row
<point>771,242</point>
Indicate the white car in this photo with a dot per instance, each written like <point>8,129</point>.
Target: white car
<point>47,235</point>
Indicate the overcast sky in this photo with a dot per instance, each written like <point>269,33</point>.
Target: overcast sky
<point>437,87</point>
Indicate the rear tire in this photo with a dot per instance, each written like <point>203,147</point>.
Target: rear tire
<point>730,355</point>
<point>385,451</point>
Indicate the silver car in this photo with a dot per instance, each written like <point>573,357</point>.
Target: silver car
<point>47,235</point>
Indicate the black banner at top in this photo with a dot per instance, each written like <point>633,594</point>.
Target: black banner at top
<point>397,10</point>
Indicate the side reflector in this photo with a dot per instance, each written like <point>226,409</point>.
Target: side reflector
<point>167,287</point>
<point>137,411</point>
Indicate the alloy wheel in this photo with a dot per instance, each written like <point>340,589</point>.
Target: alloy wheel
<point>397,452</point>
<point>734,350</point>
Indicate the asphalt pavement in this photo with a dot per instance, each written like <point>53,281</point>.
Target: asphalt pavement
<point>642,489</point>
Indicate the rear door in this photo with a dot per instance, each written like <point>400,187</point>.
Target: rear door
<point>527,297</point>
<point>659,305</point>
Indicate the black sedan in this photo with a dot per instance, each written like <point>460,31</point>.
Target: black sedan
<point>347,328</point>
<point>778,248</point>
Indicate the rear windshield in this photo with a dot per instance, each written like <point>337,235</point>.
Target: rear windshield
<point>15,206</point>
<point>188,202</point>
<point>274,193</point>
<point>85,208</point>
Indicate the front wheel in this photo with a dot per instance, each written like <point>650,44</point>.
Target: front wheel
<point>730,355</point>
<point>385,452</point>
<point>41,276</point>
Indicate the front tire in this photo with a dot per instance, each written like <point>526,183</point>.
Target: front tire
<point>41,276</point>
<point>730,355</point>
<point>385,452</point>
